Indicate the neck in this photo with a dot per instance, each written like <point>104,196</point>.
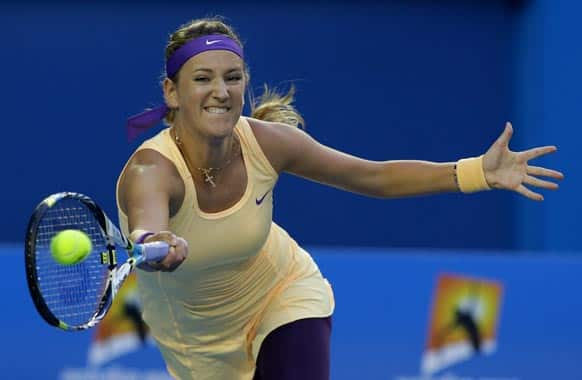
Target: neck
<point>203,151</point>
<point>206,157</point>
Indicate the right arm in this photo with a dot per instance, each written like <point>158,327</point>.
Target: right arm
<point>150,191</point>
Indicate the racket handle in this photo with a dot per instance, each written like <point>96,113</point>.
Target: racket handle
<point>154,251</point>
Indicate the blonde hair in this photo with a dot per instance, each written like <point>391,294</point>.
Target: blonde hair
<point>270,106</point>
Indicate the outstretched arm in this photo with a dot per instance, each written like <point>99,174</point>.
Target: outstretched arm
<point>147,189</point>
<point>291,150</point>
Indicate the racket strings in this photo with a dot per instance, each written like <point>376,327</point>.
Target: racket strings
<point>72,292</point>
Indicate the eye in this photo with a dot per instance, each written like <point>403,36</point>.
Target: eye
<point>201,79</point>
<point>234,78</point>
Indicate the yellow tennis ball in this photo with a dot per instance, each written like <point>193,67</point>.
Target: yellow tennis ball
<point>70,247</point>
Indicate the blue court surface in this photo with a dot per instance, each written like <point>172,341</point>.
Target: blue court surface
<point>400,315</point>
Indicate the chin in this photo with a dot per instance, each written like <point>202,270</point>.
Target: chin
<point>223,125</point>
<point>221,129</point>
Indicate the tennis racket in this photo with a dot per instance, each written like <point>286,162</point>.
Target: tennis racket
<point>77,297</point>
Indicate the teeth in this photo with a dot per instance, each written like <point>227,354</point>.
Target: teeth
<point>216,110</point>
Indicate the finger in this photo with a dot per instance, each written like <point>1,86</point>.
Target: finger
<point>175,257</point>
<point>165,262</point>
<point>168,237</point>
<point>183,243</point>
<point>543,172</point>
<point>503,139</point>
<point>182,248</point>
<point>529,180</point>
<point>529,194</point>
<point>530,154</point>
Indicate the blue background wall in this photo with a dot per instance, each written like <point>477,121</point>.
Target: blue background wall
<point>395,80</point>
<point>546,97</point>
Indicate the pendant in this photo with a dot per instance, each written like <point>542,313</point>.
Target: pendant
<point>208,177</point>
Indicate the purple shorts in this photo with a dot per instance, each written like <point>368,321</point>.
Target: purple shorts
<point>296,351</point>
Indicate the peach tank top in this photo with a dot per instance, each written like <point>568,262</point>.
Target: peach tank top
<point>244,276</point>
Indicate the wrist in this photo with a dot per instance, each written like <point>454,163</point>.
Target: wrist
<point>470,176</point>
<point>139,236</point>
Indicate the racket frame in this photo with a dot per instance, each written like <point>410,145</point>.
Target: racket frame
<point>113,238</point>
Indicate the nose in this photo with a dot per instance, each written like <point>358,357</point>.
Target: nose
<point>220,90</point>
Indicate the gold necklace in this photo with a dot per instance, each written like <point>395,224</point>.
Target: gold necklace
<point>206,172</point>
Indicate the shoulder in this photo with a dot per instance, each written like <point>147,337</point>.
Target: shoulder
<point>278,141</point>
<point>152,156</point>
<point>147,160</point>
<point>149,170</point>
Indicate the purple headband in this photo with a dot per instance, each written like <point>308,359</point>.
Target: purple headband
<point>141,122</point>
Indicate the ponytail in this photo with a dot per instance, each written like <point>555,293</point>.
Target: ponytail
<point>274,107</point>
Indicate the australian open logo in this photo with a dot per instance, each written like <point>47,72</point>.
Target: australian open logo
<point>463,321</point>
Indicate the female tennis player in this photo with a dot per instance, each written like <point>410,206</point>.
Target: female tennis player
<point>236,298</point>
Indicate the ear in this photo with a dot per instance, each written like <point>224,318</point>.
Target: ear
<point>170,93</point>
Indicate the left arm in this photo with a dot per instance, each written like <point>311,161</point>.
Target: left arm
<point>291,150</point>
<point>382,179</point>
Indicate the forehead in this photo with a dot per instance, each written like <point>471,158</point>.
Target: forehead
<point>216,60</point>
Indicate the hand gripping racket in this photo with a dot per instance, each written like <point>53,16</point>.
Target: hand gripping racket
<point>77,297</point>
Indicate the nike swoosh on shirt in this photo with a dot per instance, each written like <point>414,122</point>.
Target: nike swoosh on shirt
<point>261,199</point>
<point>208,42</point>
